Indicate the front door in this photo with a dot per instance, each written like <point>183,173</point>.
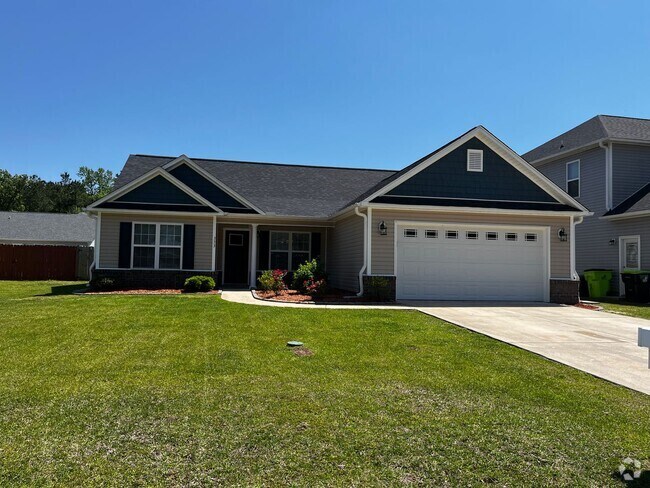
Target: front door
<point>630,256</point>
<point>236,258</point>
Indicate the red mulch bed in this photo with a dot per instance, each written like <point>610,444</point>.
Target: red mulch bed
<point>169,291</point>
<point>588,306</point>
<point>294,296</point>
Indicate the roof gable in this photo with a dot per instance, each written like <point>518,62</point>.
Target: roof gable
<point>158,190</point>
<point>500,154</point>
<point>449,178</point>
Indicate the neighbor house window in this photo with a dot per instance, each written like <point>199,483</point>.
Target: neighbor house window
<point>573,178</point>
<point>157,246</point>
<point>288,250</point>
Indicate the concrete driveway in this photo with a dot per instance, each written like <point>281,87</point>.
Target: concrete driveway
<point>599,343</point>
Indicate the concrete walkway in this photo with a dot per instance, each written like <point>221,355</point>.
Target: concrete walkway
<point>246,297</point>
<point>600,343</point>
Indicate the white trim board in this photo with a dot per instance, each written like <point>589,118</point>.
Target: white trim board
<point>499,148</point>
<point>621,286</point>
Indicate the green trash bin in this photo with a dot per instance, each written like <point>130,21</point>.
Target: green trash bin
<point>598,282</point>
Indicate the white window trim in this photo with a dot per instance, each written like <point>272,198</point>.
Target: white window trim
<point>289,251</point>
<point>573,179</point>
<point>157,245</point>
<point>475,151</point>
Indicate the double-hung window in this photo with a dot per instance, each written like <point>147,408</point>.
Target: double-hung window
<point>288,250</point>
<point>573,178</point>
<point>157,246</point>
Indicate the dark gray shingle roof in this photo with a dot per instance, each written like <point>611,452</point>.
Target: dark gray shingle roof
<point>47,227</point>
<point>638,202</point>
<point>591,131</point>
<point>283,189</point>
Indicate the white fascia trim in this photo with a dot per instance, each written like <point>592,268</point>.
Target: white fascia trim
<point>429,208</point>
<point>149,176</point>
<point>153,212</point>
<point>184,159</point>
<point>629,215</point>
<point>502,150</point>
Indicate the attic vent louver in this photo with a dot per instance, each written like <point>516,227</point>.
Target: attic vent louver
<point>474,160</point>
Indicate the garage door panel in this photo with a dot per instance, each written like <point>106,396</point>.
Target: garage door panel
<point>471,269</point>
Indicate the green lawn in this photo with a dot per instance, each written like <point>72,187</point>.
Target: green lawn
<point>193,390</point>
<point>626,308</point>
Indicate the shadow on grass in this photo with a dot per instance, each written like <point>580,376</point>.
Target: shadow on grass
<point>642,481</point>
<point>63,290</point>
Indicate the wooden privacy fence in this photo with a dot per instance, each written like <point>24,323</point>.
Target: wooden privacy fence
<point>41,262</point>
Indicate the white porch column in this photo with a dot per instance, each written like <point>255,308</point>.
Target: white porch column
<point>214,243</point>
<point>253,260</point>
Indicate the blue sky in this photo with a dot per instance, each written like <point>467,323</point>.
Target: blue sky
<point>342,83</point>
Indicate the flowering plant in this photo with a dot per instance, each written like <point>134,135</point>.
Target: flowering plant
<point>315,287</point>
<point>273,280</point>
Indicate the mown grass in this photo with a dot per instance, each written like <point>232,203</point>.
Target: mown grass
<point>193,390</point>
<point>641,310</point>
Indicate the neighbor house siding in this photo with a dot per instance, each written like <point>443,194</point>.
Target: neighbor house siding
<point>630,170</point>
<point>383,251</point>
<point>593,236</point>
<point>345,253</point>
<point>110,237</point>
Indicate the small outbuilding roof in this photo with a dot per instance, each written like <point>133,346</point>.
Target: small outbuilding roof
<point>638,202</point>
<point>46,228</point>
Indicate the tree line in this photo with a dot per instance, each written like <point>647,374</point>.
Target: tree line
<point>23,193</point>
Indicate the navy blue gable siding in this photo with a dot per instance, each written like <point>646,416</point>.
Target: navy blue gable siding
<point>158,190</point>
<point>205,188</point>
<point>449,178</point>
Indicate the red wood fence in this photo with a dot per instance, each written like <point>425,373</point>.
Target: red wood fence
<point>38,262</point>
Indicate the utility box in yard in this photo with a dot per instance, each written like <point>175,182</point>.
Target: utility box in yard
<point>644,341</point>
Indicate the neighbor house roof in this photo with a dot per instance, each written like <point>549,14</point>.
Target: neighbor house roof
<point>638,202</point>
<point>46,228</point>
<point>282,189</point>
<point>596,129</point>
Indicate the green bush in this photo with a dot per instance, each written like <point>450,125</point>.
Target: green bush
<point>104,284</point>
<point>378,289</point>
<point>272,280</point>
<point>308,271</point>
<point>198,283</point>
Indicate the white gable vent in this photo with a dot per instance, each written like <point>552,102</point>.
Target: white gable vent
<point>474,160</point>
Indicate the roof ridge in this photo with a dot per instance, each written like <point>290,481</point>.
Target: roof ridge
<point>267,163</point>
<point>624,117</point>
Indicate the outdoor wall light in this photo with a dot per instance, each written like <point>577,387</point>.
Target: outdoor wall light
<point>561,234</point>
<point>612,242</point>
<point>383,228</point>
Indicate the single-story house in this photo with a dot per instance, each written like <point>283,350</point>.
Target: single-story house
<point>470,221</point>
<point>42,246</point>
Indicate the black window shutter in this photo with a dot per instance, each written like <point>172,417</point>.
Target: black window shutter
<point>315,246</point>
<point>189,233</point>
<point>263,250</point>
<point>124,255</point>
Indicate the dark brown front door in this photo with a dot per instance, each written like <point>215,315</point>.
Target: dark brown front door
<point>236,258</point>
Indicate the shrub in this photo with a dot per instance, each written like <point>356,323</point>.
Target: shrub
<point>273,280</point>
<point>198,283</point>
<point>378,289</point>
<point>104,284</point>
<point>307,271</point>
<point>315,287</point>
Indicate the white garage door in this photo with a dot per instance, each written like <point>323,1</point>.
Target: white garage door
<point>461,262</point>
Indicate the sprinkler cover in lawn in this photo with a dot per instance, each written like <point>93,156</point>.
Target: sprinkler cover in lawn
<point>294,343</point>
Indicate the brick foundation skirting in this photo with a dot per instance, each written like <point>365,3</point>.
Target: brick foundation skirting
<point>152,278</point>
<point>565,291</point>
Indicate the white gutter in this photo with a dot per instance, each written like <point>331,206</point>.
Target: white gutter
<point>574,221</point>
<point>608,173</point>
<point>365,249</point>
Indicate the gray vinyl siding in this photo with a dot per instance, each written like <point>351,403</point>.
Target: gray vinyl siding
<point>630,170</point>
<point>345,253</point>
<point>383,247</point>
<point>109,245</point>
<point>593,248</point>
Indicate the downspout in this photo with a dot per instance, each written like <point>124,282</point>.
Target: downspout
<point>365,249</point>
<point>608,174</point>
<point>574,221</point>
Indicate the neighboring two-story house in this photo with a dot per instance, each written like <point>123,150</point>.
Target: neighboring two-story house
<point>604,163</point>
